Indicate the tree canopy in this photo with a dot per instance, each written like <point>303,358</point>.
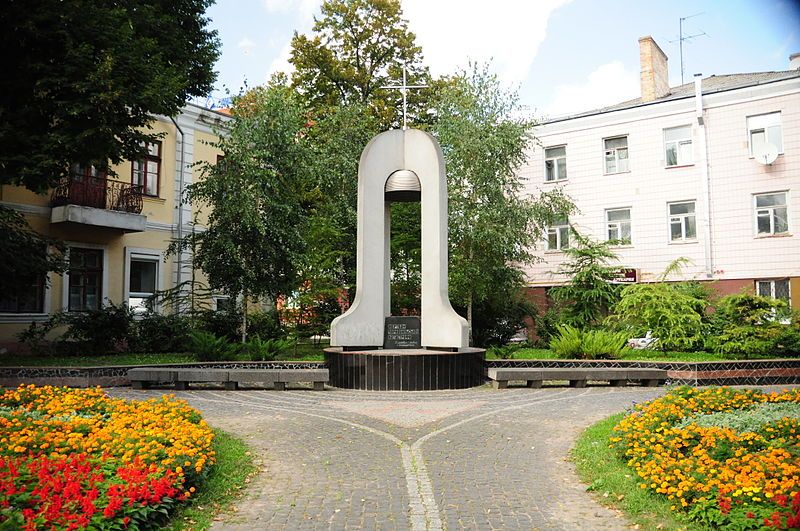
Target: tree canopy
<point>494,224</point>
<point>253,240</point>
<point>357,47</point>
<point>83,79</point>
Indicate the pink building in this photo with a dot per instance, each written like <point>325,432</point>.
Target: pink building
<point>708,170</point>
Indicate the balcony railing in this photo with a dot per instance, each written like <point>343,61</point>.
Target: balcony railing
<point>98,192</point>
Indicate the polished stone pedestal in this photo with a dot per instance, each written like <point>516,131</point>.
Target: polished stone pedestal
<point>405,369</point>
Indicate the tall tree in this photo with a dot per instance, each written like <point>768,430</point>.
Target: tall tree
<point>494,225</point>
<point>587,297</point>
<point>27,255</point>
<point>254,235</point>
<point>82,80</point>
<point>357,47</point>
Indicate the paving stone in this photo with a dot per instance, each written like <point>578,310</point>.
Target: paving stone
<point>465,459</point>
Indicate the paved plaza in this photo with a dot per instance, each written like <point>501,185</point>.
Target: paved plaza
<point>468,459</point>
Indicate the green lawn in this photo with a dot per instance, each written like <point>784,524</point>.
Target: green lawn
<point>225,482</point>
<point>614,484</point>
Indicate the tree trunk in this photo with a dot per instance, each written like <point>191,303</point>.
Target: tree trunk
<point>244,318</point>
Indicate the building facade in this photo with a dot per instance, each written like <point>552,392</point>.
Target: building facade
<point>117,227</point>
<point>709,171</point>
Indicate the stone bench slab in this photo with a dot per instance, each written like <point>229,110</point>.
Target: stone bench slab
<point>142,377</point>
<point>577,377</point>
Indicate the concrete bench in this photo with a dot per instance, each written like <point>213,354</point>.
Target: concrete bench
<point>577,377</point>
<point>143,377</point>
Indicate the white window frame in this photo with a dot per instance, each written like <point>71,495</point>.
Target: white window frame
<point>104,300</point>
<point>764,122</point>
<point>561,232</point>
<point>683,140</point>
<point>618,224</point>
<point>557,164</point>
<point>29,317</point>
<point>771,210</point>
<point>771,295</point>
<point>617,158</point>
<point>682,220</point>
<point>144,255</point>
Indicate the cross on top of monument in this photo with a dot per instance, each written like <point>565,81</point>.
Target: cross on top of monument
<point>404,88</point>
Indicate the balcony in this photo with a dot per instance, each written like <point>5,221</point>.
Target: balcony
<point>98,201</point>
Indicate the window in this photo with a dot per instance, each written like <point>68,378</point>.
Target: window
<point>145,172</point>
<point>558,235</point>
<point>555,163</point>
<point>678,145</point>
<point>771,215</point>
<point>618,225</point>
<point>142,282</point>
<point>775,289</point>
<point>29,300</point>
<point>762,129</point>
<point>682,222</point>
<point>223,303</point>
<point>85,279</point>
<point>616,154</point>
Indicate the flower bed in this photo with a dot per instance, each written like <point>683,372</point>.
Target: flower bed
<point>739,469</point>
<point>75,458</point>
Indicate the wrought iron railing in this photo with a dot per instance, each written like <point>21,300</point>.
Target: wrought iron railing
<point>98,192</point>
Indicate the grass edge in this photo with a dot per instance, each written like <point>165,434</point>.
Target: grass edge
<point>223,486</point>
<point>614,485</point>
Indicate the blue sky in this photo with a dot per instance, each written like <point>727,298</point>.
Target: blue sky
<point>562,56</point>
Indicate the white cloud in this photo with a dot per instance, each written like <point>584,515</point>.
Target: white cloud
<point>246,45</point>
<point>607,85</point>
<point>281,62</point>
<point>453,32</point>
<point>305,8</point>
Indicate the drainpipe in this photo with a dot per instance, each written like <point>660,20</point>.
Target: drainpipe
<point>179,276</point>
<point>706,181</point>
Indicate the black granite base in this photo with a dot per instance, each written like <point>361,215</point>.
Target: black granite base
<point>405,370</point>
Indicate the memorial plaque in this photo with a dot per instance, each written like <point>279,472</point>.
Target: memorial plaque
<point>402,332</point>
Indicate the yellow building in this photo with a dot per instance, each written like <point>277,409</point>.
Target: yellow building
<point>117,228</point>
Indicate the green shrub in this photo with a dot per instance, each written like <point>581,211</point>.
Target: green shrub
<point>265,325</point>
<point>673,314</point>
<point>572,343</point>
<point>747,325</point>
<point>108,329</point>
<point>753,419</point>
<point>257,349</point>
<point>209,347</point>
<point>221,323</point>
<point>603,344</point>
<point>588,295</point>
<point>547,326</point>
<point>163,333</point>
<point>567,342</point>
<point>504,352</point>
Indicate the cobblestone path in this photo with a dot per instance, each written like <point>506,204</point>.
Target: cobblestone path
<point>468,459</point>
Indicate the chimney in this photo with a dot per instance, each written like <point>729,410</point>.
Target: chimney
<point>654,76</point>
<point>794,61</point>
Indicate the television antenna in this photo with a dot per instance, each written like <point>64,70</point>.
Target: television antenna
<point>683,37</point>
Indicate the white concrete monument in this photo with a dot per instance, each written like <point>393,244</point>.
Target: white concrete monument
<point>400,165</point>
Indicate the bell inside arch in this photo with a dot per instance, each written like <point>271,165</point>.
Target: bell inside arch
<point>402,186</point>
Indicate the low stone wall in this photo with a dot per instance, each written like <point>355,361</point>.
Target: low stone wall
<point>117,375</point>
<point>755,372</point>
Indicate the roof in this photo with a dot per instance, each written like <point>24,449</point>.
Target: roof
<point>711,85</point>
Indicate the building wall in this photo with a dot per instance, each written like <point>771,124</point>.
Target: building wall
<point>199,126</point>
<point>734,253</point>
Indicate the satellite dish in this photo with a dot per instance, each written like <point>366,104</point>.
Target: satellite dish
<point>765,153</point>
